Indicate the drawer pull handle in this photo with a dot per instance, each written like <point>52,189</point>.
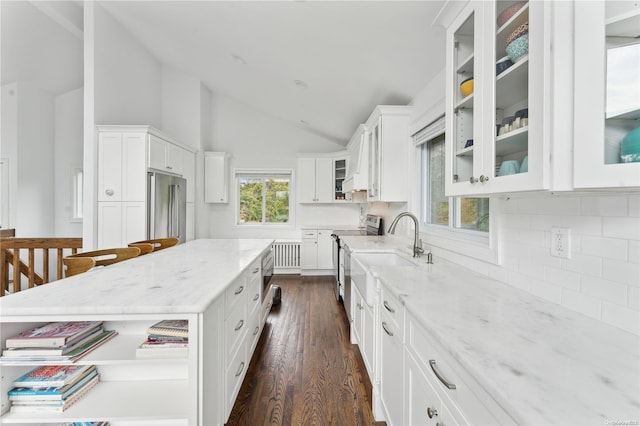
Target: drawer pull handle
<point>256,297</point>
<point>359,306</point>
<point>239,290</point>
<point>386,330</point>
<point>388,308</point>
<point>432,412</point>
<point>239,372</point>
<point>256,330</point>
<point>432,363</point>
<point>109,192</point>
<point>255,271</point>
<point>239,326</point>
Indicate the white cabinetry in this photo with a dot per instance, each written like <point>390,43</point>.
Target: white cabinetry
<point>216,177</point>
<point>388,146</point>
<point>605,32</point>
<point>125,153</point>
<point>340,165</point>
<point>315,180</point>
<point>357,169</point>
<point>475,148</point>
<point>363,318</point>
<point>392,359</point>
<point>316,251</point>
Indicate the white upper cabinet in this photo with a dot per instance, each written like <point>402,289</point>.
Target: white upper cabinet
<point>607,94</point>
<point>315,180</point>
<point>164,156</point>
<point>495,131</point>
<point>121,167</point>
<point>388,145</point>
<point>357,167</point>
<point>216,177</point>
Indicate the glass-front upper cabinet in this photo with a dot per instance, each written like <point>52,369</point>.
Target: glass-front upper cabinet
<point>496,124</point>
<point>607,94</point>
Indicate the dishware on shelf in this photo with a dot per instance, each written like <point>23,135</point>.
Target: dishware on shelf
<point>522,113</point>
<point>468,143</point>
<point>517,44</point>
<point>506,14</point>
<point>502,65</point>
<point>630,147</point>
<point>466,87</point>
<point>509,167</point>
<point>524,167</point>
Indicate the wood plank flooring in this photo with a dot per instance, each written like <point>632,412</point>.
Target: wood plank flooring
<point>304,370</point>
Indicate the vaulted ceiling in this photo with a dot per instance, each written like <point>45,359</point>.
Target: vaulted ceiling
<point>321,65</point>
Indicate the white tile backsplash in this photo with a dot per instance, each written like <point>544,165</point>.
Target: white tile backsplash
<point>602,277</point>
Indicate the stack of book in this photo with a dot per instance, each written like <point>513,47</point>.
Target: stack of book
<point>56,341</point>
<point>51,388</point>
<point>86,424</point>
<point>166,339</point>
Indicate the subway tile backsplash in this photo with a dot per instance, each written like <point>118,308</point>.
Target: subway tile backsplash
<point>602,277</point>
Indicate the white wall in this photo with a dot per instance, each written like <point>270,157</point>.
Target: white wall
<point>9,147</point>
<point>68,157</point>
<point>181,106</point>
<point>257,140</point>
<point>127,76</point>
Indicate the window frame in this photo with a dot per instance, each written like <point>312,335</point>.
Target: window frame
<point>77,195</point>
<point>263,173</point>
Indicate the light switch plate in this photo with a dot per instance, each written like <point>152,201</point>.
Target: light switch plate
<point>561,242</point>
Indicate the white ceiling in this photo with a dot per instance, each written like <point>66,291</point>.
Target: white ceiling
<point>351,55</point>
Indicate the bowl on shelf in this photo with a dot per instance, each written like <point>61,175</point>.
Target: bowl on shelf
<point>506,14</point>
<point>524,167</point>
<point>466,87</point>
<point>522,113</point>
<point>509,167</point>
<point>517,44</point>
<point>502,65</point>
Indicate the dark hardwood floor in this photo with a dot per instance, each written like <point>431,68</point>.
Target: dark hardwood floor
<point>304,370</point>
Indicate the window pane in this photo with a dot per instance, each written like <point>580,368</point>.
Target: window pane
<point>439,211</point>
<point>250,200</point>
<point>473,214</point>
<point>277,200</point>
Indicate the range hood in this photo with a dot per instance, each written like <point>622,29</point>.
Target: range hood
<point>357,167</point>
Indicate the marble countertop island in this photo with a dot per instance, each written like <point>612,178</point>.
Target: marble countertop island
<point>543,363</point>
<point>183,279</point>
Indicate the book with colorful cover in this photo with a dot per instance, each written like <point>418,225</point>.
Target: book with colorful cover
<point>62,404</point>
<point>53,334</point>
<point>48,376</point>
<point>163,344</point>
<point>53,393</point>
<point>14,355</point>
<point>178,328</point>
<point>62,350</point>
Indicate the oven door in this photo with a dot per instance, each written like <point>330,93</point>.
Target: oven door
<point>267,272</point>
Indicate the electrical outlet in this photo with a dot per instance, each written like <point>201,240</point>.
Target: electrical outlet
<point>561,242</point>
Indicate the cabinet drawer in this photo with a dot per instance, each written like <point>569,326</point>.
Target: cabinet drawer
<point>235,294</point>
<point>473,405</point>
<point>234,327</point>
<point>253,331</point>
<point>233,377</point>
<point>393,308</point>
<point>309,234</point>
<point>253,295</point>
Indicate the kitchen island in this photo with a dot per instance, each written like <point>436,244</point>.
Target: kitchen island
<point>541,363</point>
<point>207,282</point>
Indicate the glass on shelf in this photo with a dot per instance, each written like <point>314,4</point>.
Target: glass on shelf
<point>622,113</point>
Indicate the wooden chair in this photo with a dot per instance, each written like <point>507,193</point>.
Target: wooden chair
<point>102,257</point>
<point>145,248</point>
<point>157,243</point>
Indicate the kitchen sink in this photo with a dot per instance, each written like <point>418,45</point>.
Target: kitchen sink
<point>361,275</point>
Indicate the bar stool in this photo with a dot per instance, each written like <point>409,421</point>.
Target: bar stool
<point>156,244</point>
<point>82,262</point>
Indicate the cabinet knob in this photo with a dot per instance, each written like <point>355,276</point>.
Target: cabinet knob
<point>432,412</point>
<point>169,167</point>
<point>473,180</point>
<point>484,178</point>
<point>109,192</point>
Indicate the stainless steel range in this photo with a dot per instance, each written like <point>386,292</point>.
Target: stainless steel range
<point>341,258</point>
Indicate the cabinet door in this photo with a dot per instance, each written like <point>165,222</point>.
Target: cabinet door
<point>134,170</point>
<point>391,362</point>
<point>324,180</point>
<point>325,249</point>
<point>191,222</point>
<point>373,188</point>
<point>174,159</point>
<point>110,167</point>
<point>356,316</point>
<point>309,254</point>
<point>340,166</point>
<point>367,347</point>
<point>110,224</point>
<point>157,153</point>
<point>307,180</point>
<point>606,34</point>
<point>216,177</point>
<point>134,222</point>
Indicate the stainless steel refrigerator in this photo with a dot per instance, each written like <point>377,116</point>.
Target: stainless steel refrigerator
<point>167,211</point>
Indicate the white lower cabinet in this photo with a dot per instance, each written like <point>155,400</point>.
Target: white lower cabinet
<point>362,329</point>
<point>391,366</point>
<point>121,221</point>
<point>316,251</point>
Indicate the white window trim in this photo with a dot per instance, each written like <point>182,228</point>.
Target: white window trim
<point>261,172</point>
<point>4,193</point>
<point>460,241</point>
<point>74,195</point>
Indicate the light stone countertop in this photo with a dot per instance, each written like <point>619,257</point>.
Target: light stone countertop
<point>181,279</point>
<point>543,363</point>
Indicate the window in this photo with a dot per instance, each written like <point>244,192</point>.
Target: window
<point>454,213</point>
<point>263,197</point>
<point>76,194</point>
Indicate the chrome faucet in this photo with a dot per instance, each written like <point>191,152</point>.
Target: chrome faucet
<point>417,242</point>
